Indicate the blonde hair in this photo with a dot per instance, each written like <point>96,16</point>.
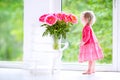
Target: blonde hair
<point>90,16</point>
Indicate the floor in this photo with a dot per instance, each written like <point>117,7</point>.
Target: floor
<point>20,74</point>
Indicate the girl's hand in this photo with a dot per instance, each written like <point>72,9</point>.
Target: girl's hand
<point>82,43</point>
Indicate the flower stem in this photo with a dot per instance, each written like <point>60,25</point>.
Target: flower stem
<point>55,43</point>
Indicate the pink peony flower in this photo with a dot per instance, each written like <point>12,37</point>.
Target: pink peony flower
<point>72,19</point>
<point>50,20</point>
<point>42,18</point>
<point>66,18</point>
<point>61,16</point>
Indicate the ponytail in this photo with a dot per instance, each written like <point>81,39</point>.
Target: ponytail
<point>88,15</point>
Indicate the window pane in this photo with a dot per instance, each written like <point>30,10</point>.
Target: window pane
<point>102,27</point>
<point>11,30</point>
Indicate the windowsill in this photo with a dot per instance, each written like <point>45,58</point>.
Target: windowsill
<point>11,64</point>
<point>65,66</point>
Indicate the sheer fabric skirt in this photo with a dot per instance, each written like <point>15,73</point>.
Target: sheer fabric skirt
<point>89,52</point>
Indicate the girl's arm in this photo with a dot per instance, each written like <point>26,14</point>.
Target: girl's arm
<point>86,35</point>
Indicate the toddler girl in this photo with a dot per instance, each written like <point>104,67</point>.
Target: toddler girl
<point>89,47</point>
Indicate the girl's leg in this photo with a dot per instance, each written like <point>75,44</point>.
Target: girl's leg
<point>91,67</point>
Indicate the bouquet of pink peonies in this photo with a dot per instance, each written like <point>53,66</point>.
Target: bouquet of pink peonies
<point>57,25</point>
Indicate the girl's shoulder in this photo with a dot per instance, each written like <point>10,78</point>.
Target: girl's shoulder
<point>87,27</point>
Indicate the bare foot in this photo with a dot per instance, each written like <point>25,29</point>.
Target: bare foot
<point>88,72</point>
<point>84,73</point>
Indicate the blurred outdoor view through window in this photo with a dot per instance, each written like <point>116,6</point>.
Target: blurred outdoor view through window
<point>11,30</point>
<point>102,27</point>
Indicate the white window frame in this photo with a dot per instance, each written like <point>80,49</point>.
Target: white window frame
<point>55,6</point>
<point>117,23</point>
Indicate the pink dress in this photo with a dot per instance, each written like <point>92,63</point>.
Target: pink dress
<point>91,49</point>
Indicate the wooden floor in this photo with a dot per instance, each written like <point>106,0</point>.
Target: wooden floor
<point>19,74</point>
